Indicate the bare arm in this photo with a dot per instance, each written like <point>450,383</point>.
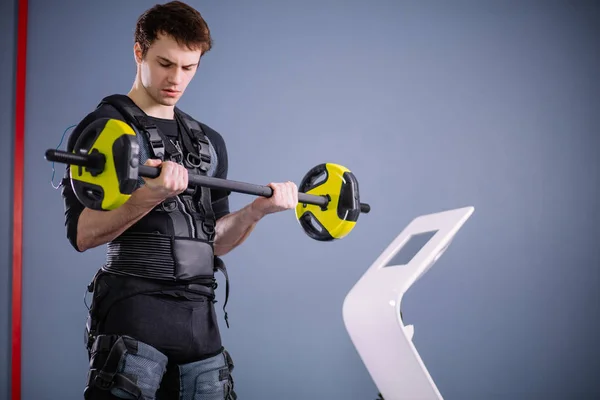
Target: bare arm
<point>96,228</point>
<point>233,229</point>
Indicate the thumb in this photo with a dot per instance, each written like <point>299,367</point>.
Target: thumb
<point>152,162</point>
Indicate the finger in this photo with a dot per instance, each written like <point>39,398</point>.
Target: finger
<point>173,177</point>
<point>286,195</point>
<point>153,162</point>
<point>166,169</point>
<point>293,193</point>
<point>275,189</point>
<point>286,188</point>
<point>288,191</point>
<point>178,170</point>
<point>283,193</point>
<point>170,176</point>
<point>183,178</point>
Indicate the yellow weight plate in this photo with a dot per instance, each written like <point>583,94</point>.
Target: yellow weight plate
<point>102,189</point>
<point>337,220</point>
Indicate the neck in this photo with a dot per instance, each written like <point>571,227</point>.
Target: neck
<point>142,99</point>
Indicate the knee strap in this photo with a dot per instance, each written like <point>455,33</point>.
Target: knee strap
<point>124,367</point>
<point>208,379</point>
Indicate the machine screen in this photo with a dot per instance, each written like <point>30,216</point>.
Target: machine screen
<point>413,245</point>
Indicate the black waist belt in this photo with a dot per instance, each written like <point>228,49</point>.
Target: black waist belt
<point>166,258</point>
<point>160,257</point>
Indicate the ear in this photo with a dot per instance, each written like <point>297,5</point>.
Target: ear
<point>137,53</point>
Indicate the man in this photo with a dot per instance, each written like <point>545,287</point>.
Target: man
<point>152,331</point>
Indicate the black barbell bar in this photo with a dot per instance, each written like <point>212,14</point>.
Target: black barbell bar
<point>97,161</point>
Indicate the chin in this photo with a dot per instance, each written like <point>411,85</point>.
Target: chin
<point>166,101</point>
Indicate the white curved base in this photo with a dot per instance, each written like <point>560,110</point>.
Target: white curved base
<point>371,309</point>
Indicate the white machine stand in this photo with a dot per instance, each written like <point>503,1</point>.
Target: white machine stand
<point>371,310</point>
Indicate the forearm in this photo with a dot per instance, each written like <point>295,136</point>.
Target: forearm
<point>233,229</point>
<point>96,228</point>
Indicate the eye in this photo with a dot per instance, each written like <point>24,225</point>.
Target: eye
<point>165,65</point>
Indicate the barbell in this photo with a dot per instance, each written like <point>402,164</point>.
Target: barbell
<point>106,157</point>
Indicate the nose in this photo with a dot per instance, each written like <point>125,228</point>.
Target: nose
<point>176,76</point>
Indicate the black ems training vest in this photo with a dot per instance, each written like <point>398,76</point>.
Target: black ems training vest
<point>174,242</point>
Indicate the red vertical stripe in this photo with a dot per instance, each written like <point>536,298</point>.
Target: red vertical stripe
<point>17,260</point>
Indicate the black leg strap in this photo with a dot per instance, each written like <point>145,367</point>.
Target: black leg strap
<point>106,377</point>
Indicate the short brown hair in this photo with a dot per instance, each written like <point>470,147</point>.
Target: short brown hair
<point>176,19</point>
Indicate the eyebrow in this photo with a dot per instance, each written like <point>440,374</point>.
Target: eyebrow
<point>171,62</point>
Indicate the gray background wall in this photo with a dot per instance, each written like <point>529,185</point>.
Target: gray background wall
<point>8,46</point>
<point>433,106</point>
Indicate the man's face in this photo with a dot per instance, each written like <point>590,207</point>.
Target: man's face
<point>167,69</point>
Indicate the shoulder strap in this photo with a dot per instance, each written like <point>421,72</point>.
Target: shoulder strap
<point>139,120</point>
<point>202,159</point>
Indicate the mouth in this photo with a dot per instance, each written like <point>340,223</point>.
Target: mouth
<point>170,92</point>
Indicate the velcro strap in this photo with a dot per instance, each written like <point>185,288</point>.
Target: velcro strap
<point>103,381</point>
<point>106,377</point>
